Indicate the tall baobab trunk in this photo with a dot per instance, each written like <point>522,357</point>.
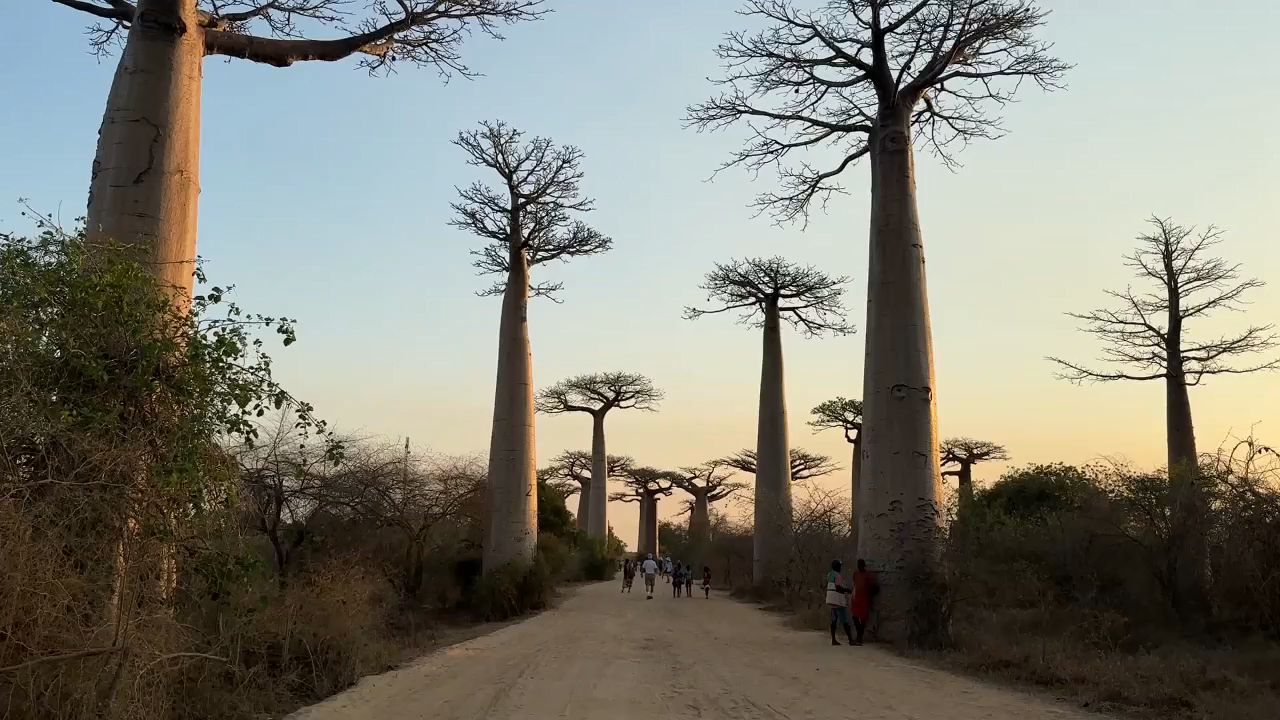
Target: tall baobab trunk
<point>1188,554</point>
<point>855,471</point>
<point>649,518</point>
<point>900,475</point>
<point>964,485</point>
<point>584,503</point>
<point>642,531</point>
<point>144,188</point>
<point>773,462</point>
<point>597,521</point>
<point>146,174</point>
<point>512,492</point>
<point>700,528</point>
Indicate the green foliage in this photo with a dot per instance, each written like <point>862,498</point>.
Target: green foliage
<point>595,562</point>
<point>1036,491</point>
<point>554,517</point>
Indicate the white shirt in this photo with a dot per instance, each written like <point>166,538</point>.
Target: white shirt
<point>650,567</point>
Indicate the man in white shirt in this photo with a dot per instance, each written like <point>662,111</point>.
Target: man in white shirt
<point>650,569</point>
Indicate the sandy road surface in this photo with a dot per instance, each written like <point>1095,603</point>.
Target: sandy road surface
<point>610,656</point>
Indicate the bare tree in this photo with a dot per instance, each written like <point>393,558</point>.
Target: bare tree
<point>804,465</point>
<point>871,78</point>
<point>964,453</point>
<point>844,414</point>
<point>570,472</point>
<point>1146,338</point>
<point>146,177</point>
<point>765,292</point>
<point>706,484</point>
<point>528,220</point>
<point>645,485</point>
<point>596,395</point>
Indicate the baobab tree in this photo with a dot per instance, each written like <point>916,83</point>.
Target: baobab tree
<point>766,292</point>
<point>803,465</point>
<point>596,395</point>
<point>1146,337</point>
<point>873,78</point>
<point>645,485</point>
<point>570,472</point>
<point>528,220</point>
<point>844,414</point>
<point>964,453</point>
<point>146,178</point>
<point>707,483</point>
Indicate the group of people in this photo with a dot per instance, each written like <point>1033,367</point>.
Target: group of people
<point>679,576</point>
<point>850,599</point>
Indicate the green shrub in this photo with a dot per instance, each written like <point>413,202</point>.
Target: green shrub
<point>594,561</point>
<point>512,590</point>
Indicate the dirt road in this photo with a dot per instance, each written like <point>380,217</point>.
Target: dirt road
<point>615,657</point>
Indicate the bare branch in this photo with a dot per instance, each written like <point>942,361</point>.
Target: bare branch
<point>810,300</point>
<point>816,83</point>
<point>804,464</point>
<point>598,393</point>
<point>530,213</point>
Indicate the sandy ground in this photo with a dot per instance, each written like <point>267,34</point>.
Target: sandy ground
<point>611,656</point>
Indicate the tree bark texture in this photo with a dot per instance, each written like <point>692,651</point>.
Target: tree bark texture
<point>700,529</point>
<point>900,475</point>
<point>597,509</point>
<point>512,491</point>
<point>584,502</point>
<point>146,174</point>
<point>770,546</point>
<point>855,469</point>
<point>1188,552</point>
<point>649,525</point>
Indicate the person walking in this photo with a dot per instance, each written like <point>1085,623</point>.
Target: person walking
<point>628,575</point>
<point>688,581</point>
<point>677,580</point>
<point>838,603</point>
<point>650,569</point>
<point>706,581</point>
<point>864,589</point>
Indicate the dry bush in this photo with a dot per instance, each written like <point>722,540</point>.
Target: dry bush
<point>1061,577</point>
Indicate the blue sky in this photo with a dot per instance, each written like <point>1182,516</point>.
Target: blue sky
<point>325,196</point>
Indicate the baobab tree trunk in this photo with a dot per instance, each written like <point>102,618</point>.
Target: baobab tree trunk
<point>855,470</point>
<point>700,529</point>
<point>1188,554</point>
<point>146,173</point>
<point>650,525</point>
<point>773,466</point>
<point>642,532</point>
<point>964,486</point>
<point>144,187</point>
<point>900,475</point>
<point>512,491</point>
<point>584,503</point>
<point>597,520</point>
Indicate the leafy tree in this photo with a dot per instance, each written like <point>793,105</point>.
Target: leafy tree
<point>644,486</point>
<point>963,453</point>
<point>844,414</point>
<point>571,471</point>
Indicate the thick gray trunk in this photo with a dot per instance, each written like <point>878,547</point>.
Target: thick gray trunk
<point>900,477</point>
<point>964,482</point>
<point>650,517</point>
<point>1188,552</point>
<point>770,545</point>
<point>642,531</point>
<point>512,491</point>
<point>855,470</point>
<point>146,173</point>
<point>597,509</point>
<point>584,503</point>
<point>700,529</point>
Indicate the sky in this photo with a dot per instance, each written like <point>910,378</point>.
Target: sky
<point>325,197</point>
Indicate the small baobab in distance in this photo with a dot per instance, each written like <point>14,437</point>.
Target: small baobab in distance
<point>570,472</point>
<point>845,414</point>
<point>528,220</point>
<point>146,173</point>
<point>645,485</point>
<point>596,395</point>
<point>767,292</point>
<point>820,88</point>
<point>706,484</point>
<point>1146,337</point>
<point>961,454</point>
